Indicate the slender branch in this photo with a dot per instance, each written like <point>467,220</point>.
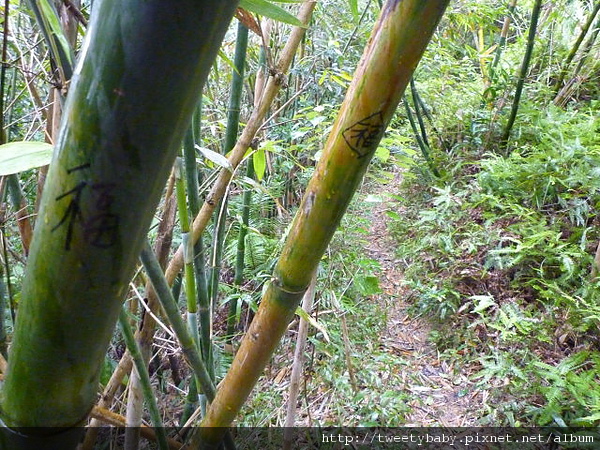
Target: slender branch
<point>116,420</point>
<point>76,12</point>
<point>142,371</point>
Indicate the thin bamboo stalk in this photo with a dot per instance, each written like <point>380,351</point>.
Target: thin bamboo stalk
<point>142,370</point>
<point>297,366</point>
<point>535,14</point>
<point>396,45</point>
<point>584,29</point>
<point>241,252</point>
<point>502,40</point>
<point>273,86</point>
<point>417,105</point>
<point>184,336</point>
<point>193,194</point>
<point>231,134</point>
<point>422,145</point>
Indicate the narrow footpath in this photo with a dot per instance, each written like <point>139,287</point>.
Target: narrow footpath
<point>438,393</point>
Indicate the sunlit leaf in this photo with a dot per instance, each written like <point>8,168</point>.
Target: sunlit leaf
<point>483,302</point>
<point>268,9</point>
<point>304,315</point>
<point>382,154</point>
<point>215,157</point>
<point>22,155</point>
<point>354,9</point>
<point>260,163</point>
<point>49,23</point>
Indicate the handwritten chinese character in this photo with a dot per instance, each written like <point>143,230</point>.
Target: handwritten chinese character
<point>364,135</point>
<point>100,227</point>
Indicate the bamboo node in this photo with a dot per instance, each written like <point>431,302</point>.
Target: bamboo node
<point>278,284</point>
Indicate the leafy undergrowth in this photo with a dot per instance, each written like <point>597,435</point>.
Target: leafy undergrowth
<point>500,251</point>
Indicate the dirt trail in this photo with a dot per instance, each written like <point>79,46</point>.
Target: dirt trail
<point>439,394</point>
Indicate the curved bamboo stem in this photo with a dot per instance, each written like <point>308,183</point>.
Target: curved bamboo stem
<point>397,43</point>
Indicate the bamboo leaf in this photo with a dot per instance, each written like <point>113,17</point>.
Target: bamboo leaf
<point>483,302</point>
<point>268,9</point>
<point>304,315</point>
<point>60,49</point>
<point>260,163</point>
<point>215,157</point>
<point>23,155</point>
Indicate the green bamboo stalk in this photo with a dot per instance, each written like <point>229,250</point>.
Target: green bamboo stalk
<point>184,336</point>
<point>231,135</point>
<point>535,14</point>
<point>61,53</point>
<point>189,275</point>
<point>142,370</point>
<point>192,186</point>
<point>422,145</point>
<point>193,195</point>
<point>502,41</point>
<point>241,252</point>
<point>417,104</point>
<point>423,107</point>
<point>397,43</point>
<point>271,89</point>
<point>586,49</point>
<point>125,118</point>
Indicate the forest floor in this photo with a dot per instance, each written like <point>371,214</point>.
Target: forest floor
<point>438,392</point>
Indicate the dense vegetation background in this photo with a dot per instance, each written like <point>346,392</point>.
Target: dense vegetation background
<point>490,228</point>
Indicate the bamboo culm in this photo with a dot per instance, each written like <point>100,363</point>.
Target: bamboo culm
<point>393,52</point>
<point>231,135</point>
<point>535,14</point>
<point>142,370</point>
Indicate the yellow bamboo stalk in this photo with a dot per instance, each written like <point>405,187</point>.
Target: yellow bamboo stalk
<point>397,43</point>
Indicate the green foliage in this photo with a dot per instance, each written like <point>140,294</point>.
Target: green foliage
<point>501,251</point>
<point>268,9</point>
<point>21,156</point>
<point>498,251</point>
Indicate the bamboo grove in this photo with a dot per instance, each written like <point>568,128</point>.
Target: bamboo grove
<point>126,236</point>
